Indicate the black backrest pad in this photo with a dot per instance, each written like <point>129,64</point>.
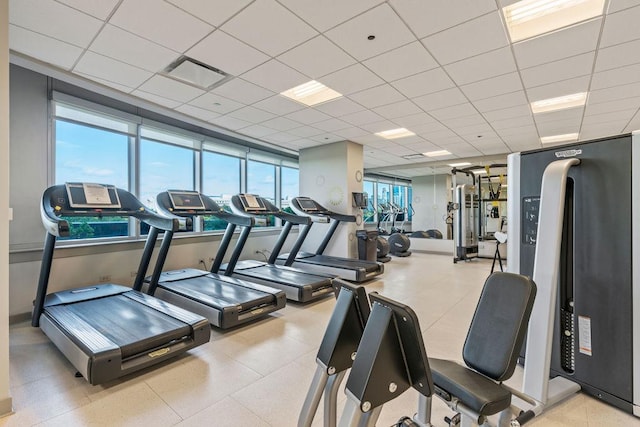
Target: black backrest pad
<point>499,325</point>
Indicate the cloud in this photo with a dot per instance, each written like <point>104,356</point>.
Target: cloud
<point>98,171</point>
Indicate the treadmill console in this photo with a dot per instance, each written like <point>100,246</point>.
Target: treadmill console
<point>308,205</point>
<point>93,196</point>
<point>252,203</point>
<point>186,200</point>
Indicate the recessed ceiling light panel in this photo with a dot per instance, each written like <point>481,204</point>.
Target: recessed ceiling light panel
<point>567,137</point>
<point>529,18</point>
<point>559,103</point>
<point>395,133</point>
<point>457,165</point>
<point>437,153</point>
<point>311,93</point>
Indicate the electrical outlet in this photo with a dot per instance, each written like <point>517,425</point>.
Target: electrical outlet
<point>104,279</point>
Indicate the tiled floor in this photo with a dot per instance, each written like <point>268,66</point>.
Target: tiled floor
<point>258,375</point>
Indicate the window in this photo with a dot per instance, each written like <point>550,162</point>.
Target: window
<point>220,181</point>
<point>289,183</point>
<point>89,154</point>
<point>261,180</point>
<point>369,214</point>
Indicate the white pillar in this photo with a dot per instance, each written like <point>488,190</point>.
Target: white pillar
<point>329,174</point>
<point>5,398</point>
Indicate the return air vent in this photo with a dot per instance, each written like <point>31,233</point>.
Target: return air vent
<point>196,73</point>
<point>413,156</point>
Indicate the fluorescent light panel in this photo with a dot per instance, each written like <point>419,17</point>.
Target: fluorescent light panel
<point>311,93</point>
<point>559,138</point>
<point>559,103</point>
<point>437,153</point>
<point>457,165</point>
<point>395,133</point>
<point>529,18</point>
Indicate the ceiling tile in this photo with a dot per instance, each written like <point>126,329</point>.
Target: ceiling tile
<point>172,89</point>
<point>216,103</point>
<point>379,126</point>
<point>471,38</point>
<point>617,5</point>
<point>308,116</point>
<point>163,23</point>
<point>512,122</point>
<point>376,96</point>
<point>612,117</point>
<point>327,138</point>
<point>565,87</point>
<point>156,99</point>
<point>601,130</point>
<point>570,114</point>
<point>397,109</point>
<point>111,70</point>
<point>463,149</point>
<point>242,91</point>
<point>215,12</point>
<point>460,122</point>
<point>429,128</point>
<point>251,114</point>
<point>424,83</point>
<point>116,86</point>
<point>278,104</point>
<point>520,130</point>
<point>382,22</point>
<point>332,125</point>
<point>558,45</point>
<point>501,101</point>
<point>564,69</point>
<point>404,61</point>
<point>634,124</point>
<point>614,93</point>
<point>221,51</point>
<point>55,20</point>
<point>101,9</point>
<point>229,122</point>
<point>351,132</point>
<point>275,76</point>
<point>482,67</point>
<point>472,132</point>
<point>442,99</point>
<point>621,27</point>
<point>615,77</point>
<point>612,106</point>
<point>507,113</point>
<point>495,149</point>
<point>429,17</point>
<point>328,13</point>
<point>305,131</point>
<point>339,107</point>
<point>453,112</point>
<point>269,27</point>
<point>351,79</point>
<point>617,56</point>
<point>281,124</point>
<point>126,47</point>
<point>491,87</point>
<point>414,120</point>
<point>282,137</point>
<point>561,127</point>
<point>257,131</point>
<point>46,49</point>
<point>316,57</point>
<point>197,112</point>
<point>362,117</point>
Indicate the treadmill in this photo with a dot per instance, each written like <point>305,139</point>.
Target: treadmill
<point>297,285</point>
<point>346,268</point>
<point>225,301</point>
<point>107,331</point>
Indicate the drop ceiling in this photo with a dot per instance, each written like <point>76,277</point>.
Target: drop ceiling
<point>444,69</point>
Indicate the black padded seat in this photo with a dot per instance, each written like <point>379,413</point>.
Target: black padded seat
<point>478,392</point>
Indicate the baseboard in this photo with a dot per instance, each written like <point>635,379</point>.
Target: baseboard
<point>6,407</point>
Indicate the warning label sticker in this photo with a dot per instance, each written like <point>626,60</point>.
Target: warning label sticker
<point>584,334</point>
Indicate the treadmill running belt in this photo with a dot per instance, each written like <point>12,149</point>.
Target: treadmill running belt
<point>134,327</point>
<point>218,293</point>
<point>340,262</point>
<point>282,275</point>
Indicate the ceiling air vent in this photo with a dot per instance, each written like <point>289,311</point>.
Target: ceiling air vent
<point>413,156</point>
<point>196,73</point>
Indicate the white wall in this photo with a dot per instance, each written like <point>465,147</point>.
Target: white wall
<point>5,398</point>
<point>430,196</point>
<point>328,174</point>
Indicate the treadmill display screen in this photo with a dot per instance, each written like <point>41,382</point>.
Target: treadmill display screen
<point>89,195</point>
<point>252,203</point>
<point>308,205</point>
<point>186,200</point>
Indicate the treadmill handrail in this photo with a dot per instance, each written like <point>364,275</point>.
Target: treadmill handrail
<point>211,208</point>
<point>322,212</point>
<point>55,204</point>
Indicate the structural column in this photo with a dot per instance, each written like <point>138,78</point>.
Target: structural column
<point>329,174</point>
<point>5,398</point>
